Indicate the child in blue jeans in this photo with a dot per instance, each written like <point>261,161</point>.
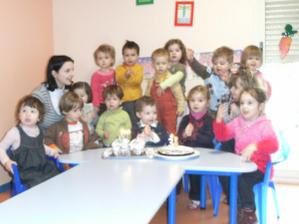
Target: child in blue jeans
<point>196,130</point>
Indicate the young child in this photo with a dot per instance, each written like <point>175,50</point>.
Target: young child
<point>114,118</point>
<point>71,134</point>
<point>129,77</point>
<point>177,58</point>
<point>255,141</point>
<point>217,79</point>
<point>196,130</point>
<point>238,82</point>
<point>26,143</point>
<point>104,57</point>
<point>83,90</point>
<point>148,128</point>
<point>170,103</point>
<point>252,59</point>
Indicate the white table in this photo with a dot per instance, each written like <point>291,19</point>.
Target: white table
<point>98,191</point>
<point>210,162</point>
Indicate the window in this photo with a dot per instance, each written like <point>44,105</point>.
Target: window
<point>282,107</point>
<point>278,13</point>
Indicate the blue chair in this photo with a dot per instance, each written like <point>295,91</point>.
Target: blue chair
<point>213,183</point>
<point>261,189</point>
<point>17,186</point>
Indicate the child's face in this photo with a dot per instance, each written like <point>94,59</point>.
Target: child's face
<point>250,108</point>
<point>74,114</point>
<point>148,115</point>
<point>161,64</point>
<point>236,90</point>
<point>28,116</point>
<point>104,61</point>
<point>235,68</point>
<point>175,53</point>
<point>112,102</point>
<point>65,74</point>
<point>221,67</point>
<point>82,94</point>
<point>253,63</point>
<point>198,102</point>
<point>130,56</point>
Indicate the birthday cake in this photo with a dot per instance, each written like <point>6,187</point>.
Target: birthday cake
<point>174,149</point>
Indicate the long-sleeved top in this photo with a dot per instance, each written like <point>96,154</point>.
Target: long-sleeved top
<point>202,135</point>
<point>111,122</point>
<point>159,138</point>
<point>178,75</point>
<point>131,86</point>
<point>259,132</point>
<point>218,88</point>
<point>175,88</point>
<point>59,135</point>
<point>51,116</point>
<point>99,80</point>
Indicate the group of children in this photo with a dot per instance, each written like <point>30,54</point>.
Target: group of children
<point>228,108</point>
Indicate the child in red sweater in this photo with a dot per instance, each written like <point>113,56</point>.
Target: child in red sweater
<point>255,140</point>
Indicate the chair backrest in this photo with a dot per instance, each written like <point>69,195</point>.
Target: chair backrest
<point>283,151</point>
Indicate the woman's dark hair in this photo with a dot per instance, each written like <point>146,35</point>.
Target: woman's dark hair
<point>54,64</point>
<point>85,86</point>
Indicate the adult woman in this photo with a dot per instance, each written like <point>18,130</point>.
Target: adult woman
<point>60,73</point>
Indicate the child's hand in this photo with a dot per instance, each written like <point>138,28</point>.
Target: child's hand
<point>106,135</point>
<point>188,130</point>
<point>128,73</point>
<point>56,152</point>
<point>147,131</point>
<point>248,151</point>
<point>180,113</point>
<point>190,55</point>
<point>220,113</point>
<point>234,109</point>
<point>160,91</point>
<point>8,165</point>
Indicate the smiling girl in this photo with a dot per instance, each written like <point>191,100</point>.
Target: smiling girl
<point>255,140</point>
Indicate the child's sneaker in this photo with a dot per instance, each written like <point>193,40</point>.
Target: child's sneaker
<point>248,216</point>
<point>194,204</point>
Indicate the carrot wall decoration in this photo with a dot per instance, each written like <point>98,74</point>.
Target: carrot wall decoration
<point>286,40</point>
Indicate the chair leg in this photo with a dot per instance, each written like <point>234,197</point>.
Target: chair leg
<point>271,184</point>
<point>203,185</point>
<point>186,182</point>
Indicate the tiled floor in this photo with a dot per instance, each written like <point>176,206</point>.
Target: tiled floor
<point>288,196</point>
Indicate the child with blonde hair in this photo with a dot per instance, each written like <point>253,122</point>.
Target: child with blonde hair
<point>255,141</point>
<point>26,142</point>
<point>129,77</point>
<point>171,102</point>
<point>71,134</point>
<point>216,79</point>
<point>196,130</point>
<point>104,57</point>
<point>252,59</point>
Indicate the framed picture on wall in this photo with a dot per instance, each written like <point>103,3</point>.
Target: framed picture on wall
<point>144,2</point>
<point>183,13</point>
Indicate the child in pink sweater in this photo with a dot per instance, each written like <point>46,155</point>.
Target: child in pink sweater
<point>255,140</point>
<point>104,57</point>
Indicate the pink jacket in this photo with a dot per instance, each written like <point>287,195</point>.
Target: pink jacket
<point>259,132</point>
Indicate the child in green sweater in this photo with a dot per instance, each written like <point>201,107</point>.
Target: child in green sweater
<point>114,118</point>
